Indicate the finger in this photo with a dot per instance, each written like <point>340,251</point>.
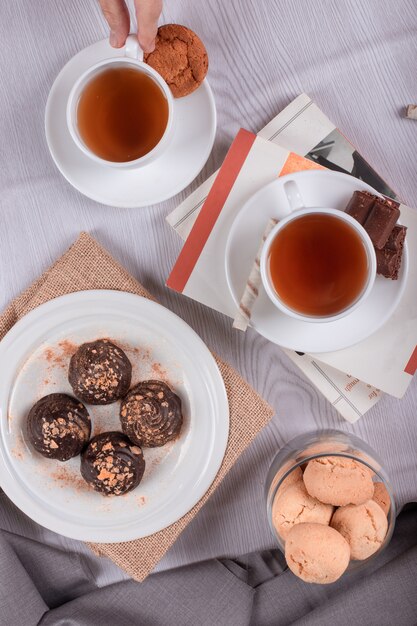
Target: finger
<point>147,15</point>
<point>117,16</point>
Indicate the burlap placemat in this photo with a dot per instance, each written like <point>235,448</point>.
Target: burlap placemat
<point>86,265</point>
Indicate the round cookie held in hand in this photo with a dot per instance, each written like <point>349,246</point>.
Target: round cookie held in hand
<point>99,372</point>
<point>316,553</point>
<point>58,426</point>
<point>111,464</point>
<point>338,480</point>
<point>294,506</point>
<point>180,58</point>
<point>151,414</point>
<point>364,527</point>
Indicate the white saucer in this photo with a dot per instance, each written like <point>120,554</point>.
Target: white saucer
<point>34,358</point>
<point>314,189</point>
<point>178,166</point>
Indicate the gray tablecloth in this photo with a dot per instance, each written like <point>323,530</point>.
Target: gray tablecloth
<point>357,60</point>
<point>50,587</point>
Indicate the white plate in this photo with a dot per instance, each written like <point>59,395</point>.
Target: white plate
<point>187,153</point>
<point>312,189</point>
<point>34,358</point>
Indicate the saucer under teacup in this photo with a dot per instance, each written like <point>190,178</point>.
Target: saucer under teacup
<point>187,153</point>
<point>275,200</point>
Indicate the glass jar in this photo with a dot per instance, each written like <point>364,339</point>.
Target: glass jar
<point>302,449</point>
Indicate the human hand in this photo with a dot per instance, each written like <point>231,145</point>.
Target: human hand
<point>147,15</point>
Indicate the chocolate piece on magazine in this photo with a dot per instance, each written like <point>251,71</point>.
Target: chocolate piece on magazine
<point>396,238</point>
<point>360,205</point>
<point>380,222</point>
<point>388,262</point>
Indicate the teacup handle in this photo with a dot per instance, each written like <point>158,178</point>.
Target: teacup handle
<point>133,49</point>
<point>294,196</point>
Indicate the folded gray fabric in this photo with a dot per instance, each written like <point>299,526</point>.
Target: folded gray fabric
<point>196,595</point>
<point>49,568</point>
<point>41,585</point>
<point>20,600</point>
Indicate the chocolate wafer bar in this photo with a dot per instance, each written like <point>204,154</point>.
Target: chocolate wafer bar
<point>396,238</point>
<point>380,222</point>
<point>378,216</point>
<point>360,205</point>
<point>388,262</point>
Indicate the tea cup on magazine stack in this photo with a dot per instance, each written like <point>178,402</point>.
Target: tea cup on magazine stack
<point>318,264</point>
<point>102,110</point>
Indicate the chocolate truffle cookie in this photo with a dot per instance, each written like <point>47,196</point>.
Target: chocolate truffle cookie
<point>99,372</point>
<point>58,426</point>
<point>180,58</point>
<point>111,464</point>
<point>151,414</point>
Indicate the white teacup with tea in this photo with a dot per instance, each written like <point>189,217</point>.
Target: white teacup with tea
<point>120,111</point>
<point>318,264</point>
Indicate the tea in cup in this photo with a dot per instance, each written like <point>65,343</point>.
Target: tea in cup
<point>120,111</point>
<point>318,264</point>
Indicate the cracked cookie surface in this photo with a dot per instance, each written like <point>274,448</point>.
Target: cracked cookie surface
<point>363,526</point>
<point>316,553</point>
<point>338,480</point>
<point>180,58</point>
<point>294,506</point>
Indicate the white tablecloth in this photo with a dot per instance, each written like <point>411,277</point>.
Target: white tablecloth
<point>356,58</point>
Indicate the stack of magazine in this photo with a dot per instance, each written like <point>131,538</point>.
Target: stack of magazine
<point>351,379</point>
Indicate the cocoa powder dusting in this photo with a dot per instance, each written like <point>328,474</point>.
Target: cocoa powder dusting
<point>158,371</point>
<point>66,478</point>
<point>66,350</point>
<point>52,357</point>
<point>49,354</point>
<point>67,347</point>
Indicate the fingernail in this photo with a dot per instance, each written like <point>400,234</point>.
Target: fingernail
<point>113,40</point>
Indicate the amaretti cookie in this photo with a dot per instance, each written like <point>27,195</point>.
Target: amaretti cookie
<point>111,464</point>
<point>58,426</point>
<point>338,480</point>
<point>151,414</point>
<point>180,58</point>
<point>295,506</point>
<point>99,372</point>
<point>364,527</point>
<point>316,553</point>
